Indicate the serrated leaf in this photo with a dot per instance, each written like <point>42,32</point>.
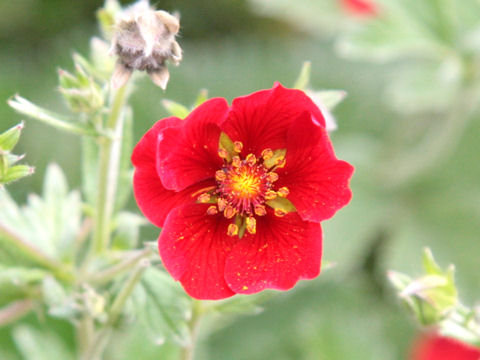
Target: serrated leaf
<point>175,109</point>
<point>36,344</point>
<point>9,138</point>
<point>162,306</point>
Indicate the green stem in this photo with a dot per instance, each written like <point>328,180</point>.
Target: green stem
<point>188,352</point>
<point>97,346</point>
<point>110,151</point>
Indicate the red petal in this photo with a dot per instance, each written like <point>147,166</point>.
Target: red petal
<point>152,198</point>
<point>189,153</point>
<point>283,251</point>
<point>436,347</point>
<point>262,119</point>
<point>317,180</point>
<point>360,7</point>
<point>193,247</point>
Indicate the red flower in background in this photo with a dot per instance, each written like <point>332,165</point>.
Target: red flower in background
<point>360,7</point>
<point>437,347</point>
<point>240,192</point>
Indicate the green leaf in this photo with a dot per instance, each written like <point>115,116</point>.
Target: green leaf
<point>15,173</point>
<point>304,78</point>
<point>25,107</point>
<point>329,98</point>
<point>127,232</point>
<point>19,283</point>
<point>40,344</point>
<point>163,307</point>
<point>240,304</point>
<point>201,98</point>
<point>175,109</point>
<point>9,138</point>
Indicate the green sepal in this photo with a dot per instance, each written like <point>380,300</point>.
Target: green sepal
<point>304,78</point>
<point>175,109</point>
<point>278,155</point>
<point>15,173</point>
<point>282,204</point>
<point>9,138</point>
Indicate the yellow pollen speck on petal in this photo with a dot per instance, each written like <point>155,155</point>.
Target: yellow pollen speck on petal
<point>220,175</point>
<point>267,154</point>
<point>245,287</point>
<point>280,212</point>
<point>270,195</point>
<point>251,223</point>
<point>229,212</point>
<point>237,146</point>
<point>232,230</point>
<point>203,198</point>
<point>260,210</point>
<point>212,210</point>
<point>223,153</point>
<point>272,177</point>
<point>251,159</point>
<point>222,204</point>
<point>236,162</point>
<point>283,192</point>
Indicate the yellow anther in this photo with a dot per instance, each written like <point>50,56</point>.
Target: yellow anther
<point>270,195</point>
<point>251,223</point>
<point>283,192</point>
<point>232,230</point>
<point>220,175</point>
<point>223,153</point>
<point>272,177</point>
<point>222,204</point>
<point>280,162</point>
<point>280,212</point>
<point>237,146</point>
<point>212,210</point>
<point>251,159</point>
<point>229,212</point>
<point>267,154</point>
<point>236,162</point>
<point>260,210</point>
<point>203,198</point>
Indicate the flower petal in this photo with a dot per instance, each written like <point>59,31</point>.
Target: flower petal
<point>262,119</point>
<point>283,251</point>
<point>189,153</point>
<point>437,347</point>
<point>316,179</point>
<point>152,198</point>
<point>193,247</point>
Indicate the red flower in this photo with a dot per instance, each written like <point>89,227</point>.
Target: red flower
<point>437,347</point>
<point>240,192</point>
<point>360,7</point>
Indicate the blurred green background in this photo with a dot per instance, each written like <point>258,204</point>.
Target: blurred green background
<point>349,312</point>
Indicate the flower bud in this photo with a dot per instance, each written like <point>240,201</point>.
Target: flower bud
<point>430,297</point>
<point>144,39</point>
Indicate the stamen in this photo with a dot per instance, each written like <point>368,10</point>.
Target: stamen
<point>280,162</point>
<point>222,204</point>
<point>267,154</point>
<point>272,177</point>
<point>223,153</point>
<point>260,210</point>
<point>236,162</point>
<point>229,212</point>
<point>283,192</point>
<point>270,195</point>
<point>237,146</point>
<point>251,223</point>
<point>220,175</point>
<point>251,159</point>
<point>212,210</point>
<point>204,198</point>
<point>280,212</point>
<point>232,230</point>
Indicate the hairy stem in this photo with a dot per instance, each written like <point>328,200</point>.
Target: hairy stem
<point>110,151</point>
<point>188,352</point>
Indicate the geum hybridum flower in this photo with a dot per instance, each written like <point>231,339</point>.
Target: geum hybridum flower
<point>240,192</point>
<point>433,346</point>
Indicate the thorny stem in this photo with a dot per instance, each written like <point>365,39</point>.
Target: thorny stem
<point>110,151</point>
<point>187,352</point>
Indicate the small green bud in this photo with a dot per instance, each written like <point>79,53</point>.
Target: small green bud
<point>431,297</point>
<point>80,91</point>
